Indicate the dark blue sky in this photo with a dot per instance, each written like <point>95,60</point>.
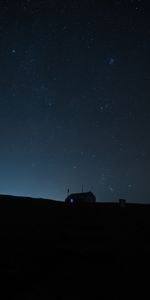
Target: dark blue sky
<point>75,98</point>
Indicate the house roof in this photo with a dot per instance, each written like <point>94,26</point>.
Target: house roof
<point>86,194</point>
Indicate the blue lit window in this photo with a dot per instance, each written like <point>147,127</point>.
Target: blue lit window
<point>71,200</point>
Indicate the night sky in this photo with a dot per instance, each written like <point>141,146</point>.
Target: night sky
<point>75,98</point>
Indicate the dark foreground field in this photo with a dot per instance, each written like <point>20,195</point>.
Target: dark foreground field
<point>51,250</point>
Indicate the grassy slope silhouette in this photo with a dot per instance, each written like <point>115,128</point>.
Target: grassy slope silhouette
<point>52,249</point>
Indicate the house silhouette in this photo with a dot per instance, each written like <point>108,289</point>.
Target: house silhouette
<point>87,197</point>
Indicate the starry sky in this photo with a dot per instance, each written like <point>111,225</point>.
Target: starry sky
<point>75,98</point>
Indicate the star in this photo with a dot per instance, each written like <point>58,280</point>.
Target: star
<point>111,61</point>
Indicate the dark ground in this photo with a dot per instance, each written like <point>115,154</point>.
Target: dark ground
<point>52,250</point>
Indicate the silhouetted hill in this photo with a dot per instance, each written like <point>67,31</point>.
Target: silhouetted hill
<point>53,250</point>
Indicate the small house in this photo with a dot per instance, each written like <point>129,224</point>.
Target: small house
<point>88,197</point>
<point>122,202</point>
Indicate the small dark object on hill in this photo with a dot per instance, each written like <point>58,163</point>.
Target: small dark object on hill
<point>88,197</point>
